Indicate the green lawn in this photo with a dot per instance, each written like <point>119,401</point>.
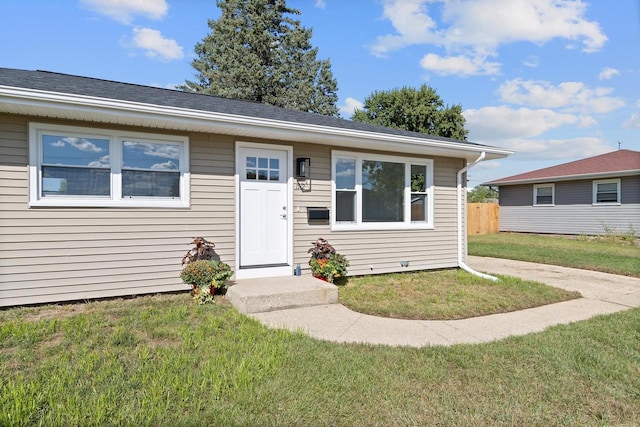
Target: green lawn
<point>608,254</point>
<point>161,360</point>
<point>446,294</point>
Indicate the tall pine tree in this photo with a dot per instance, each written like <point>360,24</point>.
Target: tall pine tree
<point>257,52</point>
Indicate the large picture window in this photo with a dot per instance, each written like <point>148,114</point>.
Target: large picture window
<point>381,192</point>
<point>73,166</point>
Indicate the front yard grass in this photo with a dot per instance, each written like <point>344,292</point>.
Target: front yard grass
<point>606,253</point>
<point>446,294</point>
<point>164,361</point>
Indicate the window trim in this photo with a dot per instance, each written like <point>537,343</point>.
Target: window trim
<point>359,225</point>
<point>616,181</point>
<point>553,194</point>
<point>116,140</point>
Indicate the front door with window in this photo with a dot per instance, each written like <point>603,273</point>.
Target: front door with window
<point>264,210</point>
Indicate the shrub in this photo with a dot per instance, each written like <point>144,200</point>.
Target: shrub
<point>333,269</point>
<point>326,263</point>
<point>205,276</point>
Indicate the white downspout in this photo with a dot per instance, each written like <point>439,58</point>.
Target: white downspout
<point>461,263</point>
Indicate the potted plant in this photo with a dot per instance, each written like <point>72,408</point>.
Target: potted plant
<point>205,275</point>
<point>326,264</point>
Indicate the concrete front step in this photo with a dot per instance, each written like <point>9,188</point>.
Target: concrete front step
<point>280,293</point>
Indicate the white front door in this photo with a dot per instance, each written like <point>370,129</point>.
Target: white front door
<point>264,207</point>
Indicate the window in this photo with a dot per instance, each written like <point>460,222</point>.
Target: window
<point>381,192</point>
<point>543,195</point>
<point>263,169</point>
<point>74,166</point>
<point>606,192</point>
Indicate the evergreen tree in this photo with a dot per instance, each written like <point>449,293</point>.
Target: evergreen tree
<point>418,110</point>
<point>257,52</point>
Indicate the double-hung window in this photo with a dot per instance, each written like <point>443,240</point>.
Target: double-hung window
<point>543,195</point>
<point>74,166</point>
<point>606,192</point>
<point>381,192</point>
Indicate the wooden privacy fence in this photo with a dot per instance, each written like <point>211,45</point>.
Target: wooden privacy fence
<point>483,218</point>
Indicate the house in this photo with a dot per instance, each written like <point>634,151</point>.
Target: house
<point>589,196</point>
<point>104,184</point>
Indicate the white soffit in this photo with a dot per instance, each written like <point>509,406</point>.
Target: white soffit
<point>125,113</point>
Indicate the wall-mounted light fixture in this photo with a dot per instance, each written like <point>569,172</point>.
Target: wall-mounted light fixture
<point>303,167</point>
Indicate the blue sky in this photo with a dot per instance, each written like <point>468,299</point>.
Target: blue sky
<point>553,80</point>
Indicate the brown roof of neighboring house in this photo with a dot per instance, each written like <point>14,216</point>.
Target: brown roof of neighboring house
<point>618,162</point>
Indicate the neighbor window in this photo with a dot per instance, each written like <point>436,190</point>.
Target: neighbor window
<point>381,192</point>
<point>606,192</point>
<point>543,195</point>
<point>73,166</point>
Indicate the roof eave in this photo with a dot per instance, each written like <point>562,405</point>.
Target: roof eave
<point>600,175</point>
<point>103,110</point>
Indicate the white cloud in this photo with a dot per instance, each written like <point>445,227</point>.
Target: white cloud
<point>459,65</point>
<point>100,163</point>
<point>607,73</point>
<point>531,61</point>
<point>490,123</point>
<point>155,45</point>
<point>58,144</point>
<point>633,121</point>
<point>168,165</point>
<point>349,107</point>
<point>123,11</point>
<point>521,129</point>
<point>556,149</point>
<point>81,144</point>
<point>320,4</point>
<point>166,151</point>
<point>483,25</point>
<point>569,96</point>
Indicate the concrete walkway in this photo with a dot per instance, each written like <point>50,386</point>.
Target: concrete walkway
<point>602,294</point>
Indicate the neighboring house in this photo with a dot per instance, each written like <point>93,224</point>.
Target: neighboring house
<point>596,195</point>
<point>104,184</point>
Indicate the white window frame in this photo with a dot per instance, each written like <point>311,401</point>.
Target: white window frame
<point>535,194</point>
<point>606,181</point>
<point>116,139</point>
<point>407,223</point>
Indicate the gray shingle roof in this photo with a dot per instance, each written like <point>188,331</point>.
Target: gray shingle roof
<point>87,86</point>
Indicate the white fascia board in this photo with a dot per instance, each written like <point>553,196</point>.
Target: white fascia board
<point>183,119</point>
<point>551,179</point>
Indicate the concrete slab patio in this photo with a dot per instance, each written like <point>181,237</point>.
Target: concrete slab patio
<point>602,294</point>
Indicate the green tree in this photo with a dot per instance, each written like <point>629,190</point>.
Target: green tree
<point>257,52</point>
<point>481,194</point>
<point>418,110</point>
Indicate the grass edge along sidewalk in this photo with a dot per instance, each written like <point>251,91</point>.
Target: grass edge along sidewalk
<point>606,253</point>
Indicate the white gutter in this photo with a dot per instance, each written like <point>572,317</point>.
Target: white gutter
<point>461,263</point>
<point>23,101</point>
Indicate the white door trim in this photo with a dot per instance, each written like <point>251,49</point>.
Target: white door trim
<point>251,273</point>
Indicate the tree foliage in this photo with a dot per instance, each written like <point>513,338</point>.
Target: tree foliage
<point>417,110</point>
<point>256,51</point>
<point>482,194</point>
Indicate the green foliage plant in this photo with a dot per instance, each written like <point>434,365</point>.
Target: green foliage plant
<point>326,263</point>
<point>257,52</point>
<point>205,276</point>
<point>416,110</point>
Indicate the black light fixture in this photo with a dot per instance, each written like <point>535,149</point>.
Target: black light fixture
<point>303,167</point>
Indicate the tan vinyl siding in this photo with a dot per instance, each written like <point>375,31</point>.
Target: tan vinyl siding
<point>57,254</point>
<point>61,254</point>
<point>383,250</point>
